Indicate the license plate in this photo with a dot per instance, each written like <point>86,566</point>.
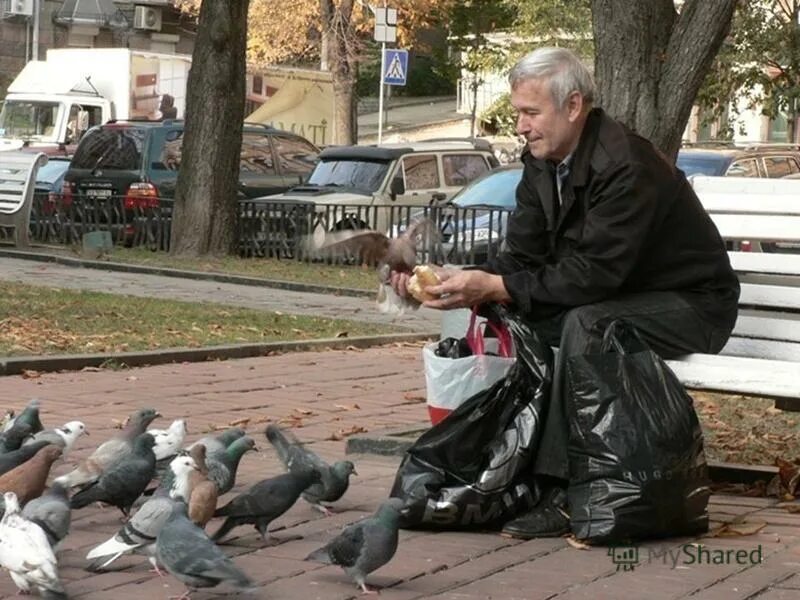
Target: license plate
<point>94,193</point>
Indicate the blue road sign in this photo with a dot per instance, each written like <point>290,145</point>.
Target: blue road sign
<point>396,62</point>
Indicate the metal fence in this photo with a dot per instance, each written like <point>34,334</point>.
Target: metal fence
<point>275,229</point>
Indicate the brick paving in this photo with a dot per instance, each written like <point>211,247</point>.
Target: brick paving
<point>333,391</point>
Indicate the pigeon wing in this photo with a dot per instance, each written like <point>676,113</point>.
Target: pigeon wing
<point>346,548</point>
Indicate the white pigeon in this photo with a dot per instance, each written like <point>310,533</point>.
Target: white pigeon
<point>140,532</point>
<point>26,553</point>
<point>64,436</point>
<point>168,441</point>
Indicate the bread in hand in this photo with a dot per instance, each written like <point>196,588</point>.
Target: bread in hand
<point>423,277</point>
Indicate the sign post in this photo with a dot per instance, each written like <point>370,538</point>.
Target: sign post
<point>385,31</point>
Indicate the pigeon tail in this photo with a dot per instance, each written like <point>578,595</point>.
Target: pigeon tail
<point>280,441</point>
<point>224,529</point>
<point>86,496</point>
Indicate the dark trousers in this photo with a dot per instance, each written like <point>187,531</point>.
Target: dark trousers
<point>669,323</point>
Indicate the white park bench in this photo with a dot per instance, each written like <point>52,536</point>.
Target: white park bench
<point>17,184</point>
<point>762,358</point>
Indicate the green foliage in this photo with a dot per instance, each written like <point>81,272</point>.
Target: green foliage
<point>760,59</point>
<point>500,118</point>
<point>428,75</point>
<point>553,23</point>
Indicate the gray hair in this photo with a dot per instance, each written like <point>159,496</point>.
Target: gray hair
<point>561,68</point>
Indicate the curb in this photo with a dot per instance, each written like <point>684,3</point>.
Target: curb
<point>17,365</point>
<point>197,275</point>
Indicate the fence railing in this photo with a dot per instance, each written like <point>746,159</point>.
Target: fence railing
<point>275,229</point>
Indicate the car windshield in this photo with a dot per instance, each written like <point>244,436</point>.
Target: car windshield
<point>496,189</point>
<point>52,171</point>
<point>701,165</point>
<point>29,120</point>
<point>110,148</point>
<point>361,175</point>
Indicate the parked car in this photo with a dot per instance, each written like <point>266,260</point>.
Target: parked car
<point>47,211</point>
<point>363,187</point>
<point>748,161</point>
<point>124,166</point>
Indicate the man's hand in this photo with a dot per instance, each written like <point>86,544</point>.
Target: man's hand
<point>464,289</point>
<point>399,280</point>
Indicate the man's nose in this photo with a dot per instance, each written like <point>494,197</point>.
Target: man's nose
<point>522,125</point>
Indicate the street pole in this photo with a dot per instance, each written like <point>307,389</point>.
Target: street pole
<point>35,44</point>
<point>380,93</point>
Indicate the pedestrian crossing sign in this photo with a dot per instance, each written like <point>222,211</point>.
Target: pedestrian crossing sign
<point>396,67</point>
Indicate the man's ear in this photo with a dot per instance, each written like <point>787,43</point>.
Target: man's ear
<point>574,105</point>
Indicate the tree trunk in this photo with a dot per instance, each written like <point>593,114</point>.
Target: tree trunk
<point>342,60</point>
<point>325,8</point>
<point>206,205</point>
<point>651,61</point>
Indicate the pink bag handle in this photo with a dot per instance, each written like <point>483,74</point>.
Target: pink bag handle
<point>475,339</point>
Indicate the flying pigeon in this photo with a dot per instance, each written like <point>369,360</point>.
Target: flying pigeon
<point>264,502</point>
<point>28,480</point>
<point>390,254</point>
<point>222,466</point>
<point>52,513</point>
<point>185,550</point>
<point>168,441</point>
<point>296,458</point>
<point>365,546</point>
<point>26,553</point>
<point>122,482</point>
<point>63,437</point>
<point>90,469</point>
<point>15,458</point>
<point>219,443</point>
<point>140,532</point>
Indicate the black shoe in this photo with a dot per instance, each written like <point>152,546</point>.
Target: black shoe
<point>547,519</point>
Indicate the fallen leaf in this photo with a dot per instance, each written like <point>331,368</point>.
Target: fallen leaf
<point>92,369</point>
<point>243,421</point>
<point>738,529</point>
<point>575,543</point>
<point>341,334</point>
<point>131,378</point>
<point>30,374</point>
<point>343,433</point>
<point>345,407</point>
<point>303,411</point>
<point>414,397</point>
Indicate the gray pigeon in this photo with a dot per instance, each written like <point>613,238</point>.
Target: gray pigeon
<point>365,546</point>
<point>52,513</point>
<point>12,439</point>
<point>29,416</point>
<point>90,469</point>
<point>295,457</point>
<point>11,460</point>
<point>185,550</point>
<point>124,481</point>
<point>264,502</point>
<point>222,466</point>
<point>219,443</point>
<point>140,532</point>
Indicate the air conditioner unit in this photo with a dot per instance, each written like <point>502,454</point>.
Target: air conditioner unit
<point>147,17</point>
<point>23,8</point>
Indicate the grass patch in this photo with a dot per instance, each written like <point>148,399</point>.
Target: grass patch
<point>39,320</point>
<point>341,276</point>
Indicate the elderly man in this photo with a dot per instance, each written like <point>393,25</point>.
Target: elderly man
<point>605,227</point>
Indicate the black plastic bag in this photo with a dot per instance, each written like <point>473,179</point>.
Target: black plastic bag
<point>473,469</point>
<point>637,466</point>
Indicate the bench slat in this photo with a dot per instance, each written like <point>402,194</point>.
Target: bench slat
<point>773,296</point>
<point>766,262</point>
<point>759,377</point>
<point>781,204</point>
<point>768,328</point>
<point>745,185</point>
<point>752,348</point>
<point>758,227</point>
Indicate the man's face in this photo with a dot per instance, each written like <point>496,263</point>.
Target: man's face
<point>552,132</point>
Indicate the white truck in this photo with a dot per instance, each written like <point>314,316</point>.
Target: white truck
<point>51,103</point>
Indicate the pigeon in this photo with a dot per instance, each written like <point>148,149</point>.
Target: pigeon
<point>390,254</point>
<point>52,513</point>
<point>219,443</point>
<point>222,466</point>
<point>15,458</point>
<point>264,502</point>
<point>13,438</point>
<point>26,553</point>
<point>63,437</point>
<point>90,469</point>
<point>168,441</point>
<point>28,480</point>
<point>140,532</point>
<point>295,457</point>
<point>122,482</point>
<point>29,416</point>
<point>185,550</point>
<point>203,495</point>
<point>365,546</point>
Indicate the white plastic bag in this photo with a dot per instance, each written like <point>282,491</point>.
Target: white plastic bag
<point>451,381</point>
